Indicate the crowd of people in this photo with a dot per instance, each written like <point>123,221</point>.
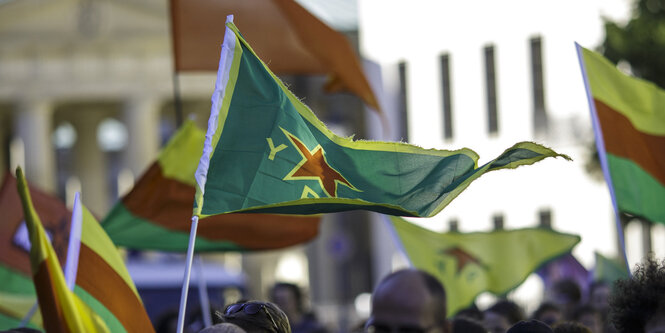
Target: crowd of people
<point>413,301</point>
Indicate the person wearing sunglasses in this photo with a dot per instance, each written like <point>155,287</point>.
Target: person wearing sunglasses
<point>408,301</point>
<point>256,316</point>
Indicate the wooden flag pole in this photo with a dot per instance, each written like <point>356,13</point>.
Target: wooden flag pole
<point>188,270</point>
<point>600,147</point>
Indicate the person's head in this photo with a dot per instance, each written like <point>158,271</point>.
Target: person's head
<point>572,327</point>
<point>223,328</point>
<point>468,325</point>
<point>548,313</point>
<point>256,316</point>
<point>599,294</point>
<point>588,316</point>
<point>637,304</point>
<point>408,299</point>
<point>566,293</point>
<point>530,326</point>
<point>501,315</point>
<point>288,297</point>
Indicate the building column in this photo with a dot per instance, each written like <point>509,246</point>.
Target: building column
<point>91,162</point>
<point>33,124</point>
<point>141,116</point>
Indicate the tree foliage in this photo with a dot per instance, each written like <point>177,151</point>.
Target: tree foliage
<point>640,42</point>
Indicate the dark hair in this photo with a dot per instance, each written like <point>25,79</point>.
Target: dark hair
<point>571,327</point>
<point>544,307</point>
<point>531,326</point>
<point>509,310</point>
<point>433,286</point>
<point>570,288</point>
<point>634,301</point>
<point>471,312</point>
<point>294,289</point>
<point>270,319</point>
<point>583,310</point>
<point>468,325</point>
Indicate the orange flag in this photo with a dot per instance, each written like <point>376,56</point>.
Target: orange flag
<point>284,34</point>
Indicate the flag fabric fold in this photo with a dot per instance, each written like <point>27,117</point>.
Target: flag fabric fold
<point>470,263</point>
<point>266,152</point>
<point>61,309</point>
<point>103,280</point>
<point>17,291</point>
<point>629,120</point>
<point>156,213</point>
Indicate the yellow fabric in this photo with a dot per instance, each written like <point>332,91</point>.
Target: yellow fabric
<point>77,316</point>
<point>17,306</point>
<point>176,158</point>
<point>641,101</point>
<point>468,264</point>
<point>93,236</point>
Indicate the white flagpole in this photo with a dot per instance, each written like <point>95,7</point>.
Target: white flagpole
<point>73,250</point>
<point>600,147</point>
<point>188,270</point>
<point>226,58</point>
<point>204,300</point>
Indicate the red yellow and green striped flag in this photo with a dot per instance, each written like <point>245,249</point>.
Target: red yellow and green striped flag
<point>17,291</point>
<point>103,280</point>
<point>266,152</point>
<point>629,120</point>
<point>156,213</point>
<point>61,309</point>
<point>470,263</point>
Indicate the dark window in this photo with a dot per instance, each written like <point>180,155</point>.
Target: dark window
<point>446,101</point>
<point>538,87</point>
<point>490,80</point>
<point>404,125</point>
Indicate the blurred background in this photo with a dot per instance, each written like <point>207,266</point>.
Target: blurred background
<point>87,99</point>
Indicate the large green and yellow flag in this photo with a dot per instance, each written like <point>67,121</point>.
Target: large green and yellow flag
<point>470,263</point>
<point>103,280</point>
<point>266,152</point>
<point>629,121</point>
<point>61,309</point>
<point>156,213</point>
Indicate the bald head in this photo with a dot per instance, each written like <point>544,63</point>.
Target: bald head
<point>409,299</point>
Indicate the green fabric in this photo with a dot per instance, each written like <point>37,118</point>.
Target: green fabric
<point>130,230</point>
<point>637,192</point>
<point>608,270</point>
<point>15,282</point>
<point>470,263</point>
<point>7,322</point>
<point>100,310</point>
<point>264,134</point>
<point>639,100</point>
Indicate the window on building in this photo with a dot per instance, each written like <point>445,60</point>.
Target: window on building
<point>490,81</point>
<point>538,86</point>
<point>403,124</point>
<point>446,97</point>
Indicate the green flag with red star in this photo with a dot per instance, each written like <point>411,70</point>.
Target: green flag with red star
<point>470,263</point>
<point>266,152</point>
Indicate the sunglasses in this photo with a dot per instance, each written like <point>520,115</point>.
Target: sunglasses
<point>250,309</point>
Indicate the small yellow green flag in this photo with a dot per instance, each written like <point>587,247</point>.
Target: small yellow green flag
<point>470,263</point>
